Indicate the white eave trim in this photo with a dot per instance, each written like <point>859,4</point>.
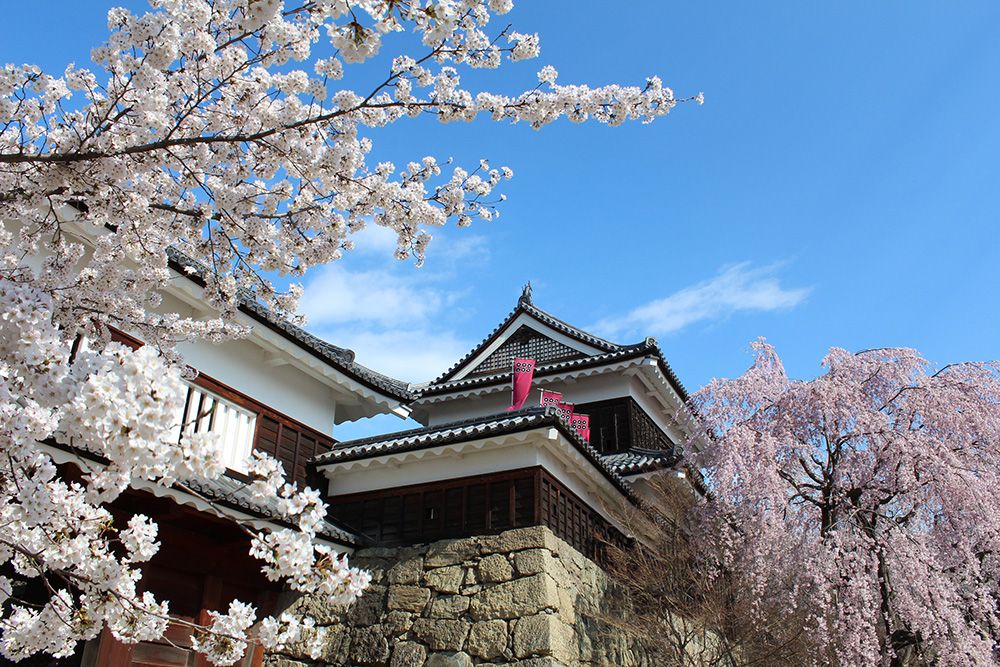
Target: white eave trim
<point>492,388</point>
<point>277,347</point>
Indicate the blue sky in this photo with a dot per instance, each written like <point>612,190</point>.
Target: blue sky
<point>839,187</point>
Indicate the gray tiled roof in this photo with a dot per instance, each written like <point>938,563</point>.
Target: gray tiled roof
<point>524,305</point>
<point>227,491</point>
<point>611,352</point>
<point>646,348</point>
<point>638,461</point>
<point>471,429</point>
<point>339,357</point>
<point>233,493</point>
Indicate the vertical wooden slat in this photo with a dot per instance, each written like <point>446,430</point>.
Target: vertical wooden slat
<point>538,496</point>
<point>295,457</point>
<point>422,508</point>
<point>401,522</point>
<point>511,498</point>
<point>465,509</point>
<point>489,501</point>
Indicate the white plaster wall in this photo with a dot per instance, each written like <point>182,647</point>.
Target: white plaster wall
<point>240,364</point>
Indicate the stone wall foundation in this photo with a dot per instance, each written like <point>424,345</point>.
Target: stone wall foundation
<point>523,598</point>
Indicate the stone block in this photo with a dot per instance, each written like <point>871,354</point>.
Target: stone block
<point>445,579</point>
<point>337,645</point>
<point>320,609</point>
<point>398,622</point>
<point>451,606</point>
<point>567,605</point>
<point>449,660</point>
<point>452,552</point>
<point>470,577</point>
<point>494,569</point>
<point>376,567</point>
<point>408,598</point>
<point>544,635</point>
<point>488,639</point>
<point>515,599</point>
<point>408,654</point>
<point>533,561</point>
<point>375,552</point>
<point>519,539</point>
<point>406,572</point>
<point>549,662</point>
<point>441,634</point>
<point>367,609</point>
<point>369,646</point>
<point>279,661</point>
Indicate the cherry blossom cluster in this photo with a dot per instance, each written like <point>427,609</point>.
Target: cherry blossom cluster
<point>120,406</point>
<point>863,501</point>
<point>214,128</point>
<point>209,136</point>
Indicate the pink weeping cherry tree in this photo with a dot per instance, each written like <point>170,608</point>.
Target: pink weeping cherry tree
<point>863,504</point>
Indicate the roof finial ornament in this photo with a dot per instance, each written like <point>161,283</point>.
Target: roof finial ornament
<point>525,299</point>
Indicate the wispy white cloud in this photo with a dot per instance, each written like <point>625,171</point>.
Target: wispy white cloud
<point>374,240</point>
<point>398,319</point>
<point>443,252</point>
<point>736,288</point>
<point>415,355</point>
<point>336,295</point>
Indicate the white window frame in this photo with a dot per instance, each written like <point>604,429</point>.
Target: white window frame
<point>206,412</point>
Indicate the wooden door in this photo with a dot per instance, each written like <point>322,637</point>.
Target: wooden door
<point>191,597</point>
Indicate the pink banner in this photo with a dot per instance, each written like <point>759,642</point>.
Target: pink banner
<point>565,411</point>
<point>524,369</point>
<point>551,398</point>
<point>581,424</point>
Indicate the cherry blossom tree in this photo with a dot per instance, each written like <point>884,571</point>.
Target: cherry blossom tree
<point>861,506</point>
<point>212,131</point>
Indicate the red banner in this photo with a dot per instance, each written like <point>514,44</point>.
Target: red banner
<point>581,424</point>
<point>524,369</point>
<point>565,411</point>
<point>551,398</point>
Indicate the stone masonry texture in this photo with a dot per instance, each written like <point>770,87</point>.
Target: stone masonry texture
<point>523,598</point>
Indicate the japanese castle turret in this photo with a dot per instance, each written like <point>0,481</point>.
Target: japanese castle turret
<point>478,467</point>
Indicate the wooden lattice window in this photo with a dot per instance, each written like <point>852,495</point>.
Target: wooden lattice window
<point>525,343</point>
<point>573,520</point>
<point>620,424</point>
<point>292,443</point>
<point>645,433</point>
<point>457,508</point>
<point>476,506</point>
<point>610,430</point>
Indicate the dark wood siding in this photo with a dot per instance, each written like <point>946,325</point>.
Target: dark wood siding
<point>619,424</point>
<point>573,520</point>
<point>480,505</point>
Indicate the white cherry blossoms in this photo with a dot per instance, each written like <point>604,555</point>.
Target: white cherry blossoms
<point>215,128</point>
<point>120,406</point>
<point>209,137</point>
